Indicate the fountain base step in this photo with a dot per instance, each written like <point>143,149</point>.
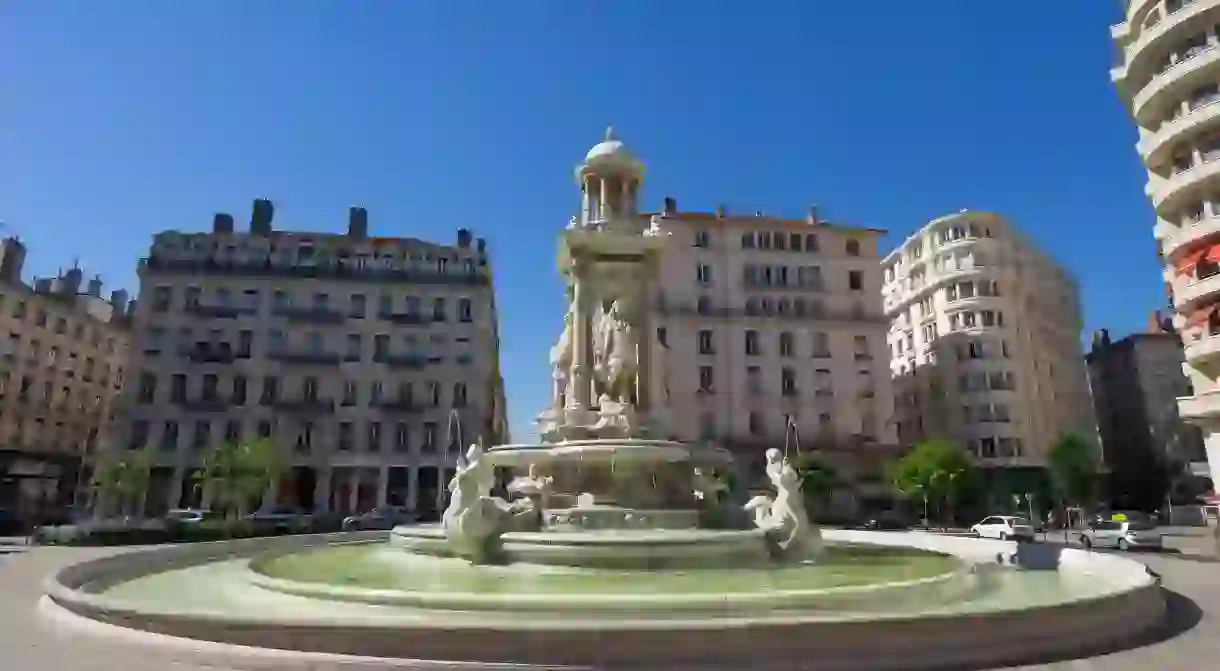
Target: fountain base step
<point>610,548</point>
<point>600,517</point>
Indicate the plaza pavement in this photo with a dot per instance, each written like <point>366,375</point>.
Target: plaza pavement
<point>1190,573</point>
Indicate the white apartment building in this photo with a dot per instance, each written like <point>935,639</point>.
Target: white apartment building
<point>983,341</point>
<point>1169,78</point>
<point>366,359</point>
<point>762,320</point>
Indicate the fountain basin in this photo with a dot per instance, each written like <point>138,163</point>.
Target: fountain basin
<point>602,450</point>
<point>609,548</point>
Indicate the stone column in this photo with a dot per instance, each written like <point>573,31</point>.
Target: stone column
<point>383,487</point>
<point>624,198</point>
<point>321,490</point>
<point>173,497</point>
<point>413,488</point>
<point>644,341</point>
<point>353,493</point>
<point>603,204</point>
<point>580,387</point>
<point>586,201</point>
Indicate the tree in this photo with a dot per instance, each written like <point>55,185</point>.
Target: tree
<point>120,480</point>
<point>238,473</point>
<point>1072,462</point>
<point>935,471</point>
<point>819,480</point>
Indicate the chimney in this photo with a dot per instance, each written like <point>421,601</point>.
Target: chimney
<point>480,245</point>
<point>721,210</point>
<point>95,286</point>
<point>118,300</point>
<point>42,285</point>
<point>1105,337</point>
<point>812,217</point>
<point>464,238</point>
<point>670,207</point>
<point>72,281</point>
<point>261,216</point>
<point>357,222</point>
<point>12,258</point>
<point>222,223</point>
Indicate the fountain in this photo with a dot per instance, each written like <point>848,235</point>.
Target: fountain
<point>617,546</point>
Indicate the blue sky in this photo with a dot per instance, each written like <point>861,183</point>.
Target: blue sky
<point>123,118</point>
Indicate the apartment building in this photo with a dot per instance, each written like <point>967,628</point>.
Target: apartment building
<point>367,360</point>
<point>1168,76</point>
<point>60,376</point>
<point>1136,382</point>
<point>984,341</point>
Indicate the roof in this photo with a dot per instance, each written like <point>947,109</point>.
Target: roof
<point>766,220</point>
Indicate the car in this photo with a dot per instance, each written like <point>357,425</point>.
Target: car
<point>187,516</point>
<point>283,518</point>
<point>887,521</point>
<point>384,517</point>
<point>1124,535</point>
<point>1004,527</point>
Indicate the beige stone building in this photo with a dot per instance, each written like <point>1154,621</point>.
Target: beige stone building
<point>368,360</point>
<point>984,341</point>
<point>1169,77</point>
<point>761,319</point>
<point>64,355</point>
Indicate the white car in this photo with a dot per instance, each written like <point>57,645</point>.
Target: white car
<point>1004,527</point>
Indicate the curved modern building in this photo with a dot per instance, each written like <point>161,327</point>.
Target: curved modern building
<point>1169,77</point>
<point>984,341</point>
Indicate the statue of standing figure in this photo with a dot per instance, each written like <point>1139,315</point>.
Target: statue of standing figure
<point>474,519</point>
<point>783,517</point>
<point>614,354</point>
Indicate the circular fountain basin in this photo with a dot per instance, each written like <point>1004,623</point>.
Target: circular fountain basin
<point>607,548</point>
<point>240,605</point>
<point>603,450</point>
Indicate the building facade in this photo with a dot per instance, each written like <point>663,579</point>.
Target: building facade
<point>1169,77</point>
<point>367,360</point>
<point>62,371</point>
<point>762,321</point>
<point>1136,382</point>
<point>984,341</point>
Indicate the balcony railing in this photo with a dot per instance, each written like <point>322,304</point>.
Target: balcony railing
<point>307,357</point>
<point>409,361</point>
<point>325,269</point>
<point>406,318</point>
<point>313,315</point>
<point>399,406</point>
<point>308,406</point>
<point>211,311</point>
<point>204,404</point>
<point>688,310</point>
<point>205,352</point>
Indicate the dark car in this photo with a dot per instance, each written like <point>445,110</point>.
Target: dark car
<point>887,521</point>
<point>284,519</point>
<point>384,517</point>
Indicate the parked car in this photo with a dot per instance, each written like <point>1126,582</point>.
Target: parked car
<point>1124,535</point>
<point>284,518</point>
<point>887,521</point>
<point>187,516</point>
<point>384,517</point>
<point>1004,527</point>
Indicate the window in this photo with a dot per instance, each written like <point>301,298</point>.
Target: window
<point>752,348</point>
<point>707,344</point>
<point>349,393</point>
<point>787,381</point>
<point>177,389</point>
<point>304,440</point>
<point>356,306</point>
<point>430,442</point>
<point>459,394</point>
<point>703,305</point>
<point>374,437</point>
<point>162,298</point>
<point>703,239</point>
<point>321,301</point>
<point>245,343</point>
<point>794,241</point>
<point>169,436</point>
<point>438,310</point>
<point>755,423</point>
<point>464,310</point>
<point>250,299</point>
<point>855,280</point>
<point>232,431</point>
<point>239,390</point>
<point>381,346</point>
<point>821,345</point>
<point>346,432</point>
<point>860,345</point>
<point>309,389</point>
<point>147,388</point>
<point>747,241</point>
<point>203,435</point>
<point>402,437</point>
<point>211,384</point>
<point>271,390</point>
<point>191,299</point>
<point>375,393</point>
<point>280,300</point>
<point>139,435</point>
<point>785,344</point>
<point>385,305</point>
<point>353,347</point>
<point>853,247</point>
<point>663,337</point>
<point>264,429</point>
<point>707,379</point>
<point>434,393</point>
<point>703,273</point>
<point>754,379</point>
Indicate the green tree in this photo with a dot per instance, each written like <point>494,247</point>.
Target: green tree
<point>239,473</point>
<point>819,480</point>
<point>1072,462</point>
<point>934,472</point>
<point>120,481</point>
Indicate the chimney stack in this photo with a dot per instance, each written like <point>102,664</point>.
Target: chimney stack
<point>72,281</point>
<point>812,217</point>
<point>95,286</point>
<point>670,207</point>
<point>357,222</point>
<point>260,217</point>
<point>12,258</point>
<point>118,300</point>
<point>222,223</point>
<point>464,238</point>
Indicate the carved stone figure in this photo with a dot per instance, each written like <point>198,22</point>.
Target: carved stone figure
<point>561,361</point>
<point>783,518</point>
<point>615,363</point>
<point>474,519</point>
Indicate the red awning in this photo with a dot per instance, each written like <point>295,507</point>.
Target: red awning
<point>1189,260</point>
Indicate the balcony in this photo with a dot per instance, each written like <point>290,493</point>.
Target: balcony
<point>204,404</point>
<point>408,361</point>
<point>210,352</point>
<point>307,357</point>
<point>210,311</point>
<point>311,315</point>
<point>1205,229</point>
<point>405,318</point>
<point>1203,349</point>
<point>399,407</point>
<point>1177,26</point>
<point>1173,84</point>
<point>305,406</point>
<point>331,269</point>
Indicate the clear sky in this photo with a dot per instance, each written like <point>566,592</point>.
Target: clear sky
<point>122,118</point>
